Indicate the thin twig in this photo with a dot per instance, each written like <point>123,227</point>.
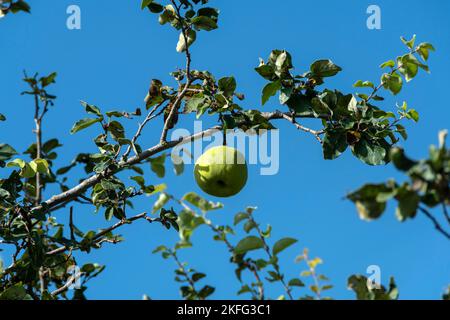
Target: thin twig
<point>269,254</point>
<point>97,239</point>
<point>42,285</point>
<point>252,268</point>
<point>394,70</point>
<point>71,225</point>
<point>185,273</point>
<point>66,286</point>
<point>174,109</point>
<point>313,275</point>
<point>303,128</point>
<point>74,192</point>
<point>446,214</point>
<point>435,222</point>
<point>139,131</point>
<point>38,132</point>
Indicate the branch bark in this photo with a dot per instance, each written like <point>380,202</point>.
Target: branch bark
<point>98,237</point>
<point>286,287</point>
<point>251,267</point>
<point>91,181</point>
<point>435,222</point>
<point>38,132</point>
<point>79,189</point>
<point>174,109</point>
<point>149,117</point>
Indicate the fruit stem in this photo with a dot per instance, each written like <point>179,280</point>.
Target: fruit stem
<point>224,130</point>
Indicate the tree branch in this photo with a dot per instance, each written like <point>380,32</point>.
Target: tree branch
<point>435,222</point>
<point>38,132</point>
<point>269,254</point>
<point>300,127</point>
<point>185,273</point>
<point>251,267</point>
<point>174,109</point>
<point>149,117</point>
<point>91,181</point>
<point>74,192</point>
<point>446,214</point>
<point>98,237</point>
<point>393,70</point>
<point>65,287</point>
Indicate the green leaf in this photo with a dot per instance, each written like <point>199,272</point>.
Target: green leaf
<point>266,71</point>
<point>409,43</point>
<point>84,123</point>
<point>400,160</point>
<point>16,163</point>
<point>370,210</point>
<point>334,144</point>
<point>151,190</point>
<point>285,95</point>
<point>91,109</point>
<point>19,5</point>
<point>227,85</point>
<point>244,289</point>
<point>320,106</point>
<point>201,203</point>
<point>409,66</point>
<point>145,3</point>
<point>408,203</point>
<point>370,200</point>
<point>194,103</point>
<point>45,81</point>
<point>390,64</point>
<point>191,37</point>
<point>26,170</point>
<point>324,68</point>
<point>139,180</point>
<point>198,276</point>
<point>162,200</point>
<point>206,291</point>
<point>155,7</point>
<point>282,61</point>
<point>168,15</point>
<point>402,131</point>
<point>159,249</point>
<point>413,114</point>
<point>50,145</point>
<point>178,164</point>
<point>370,152</point>
<point>40,165</point>
<point>109,213</point>
<point>204,23</point>
<point>446,295</point>
<point>248,244</point>
<point>2,117</point>
<point>359,284</point>
<point>212,13</point>
<point>282,244</point>
<point>270,90</point>
<point>240,216</point>
<point>296,283</point>
<point>392,82</point>
<point>363,84</point>
<point>424,49</point>
<point>158,165</point>
<point>116,131</point>
<point>6,152</point>
<point>16,292</point>
<point>249,225</point>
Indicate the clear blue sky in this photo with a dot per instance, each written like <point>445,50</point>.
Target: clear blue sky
<point>110,61</point>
